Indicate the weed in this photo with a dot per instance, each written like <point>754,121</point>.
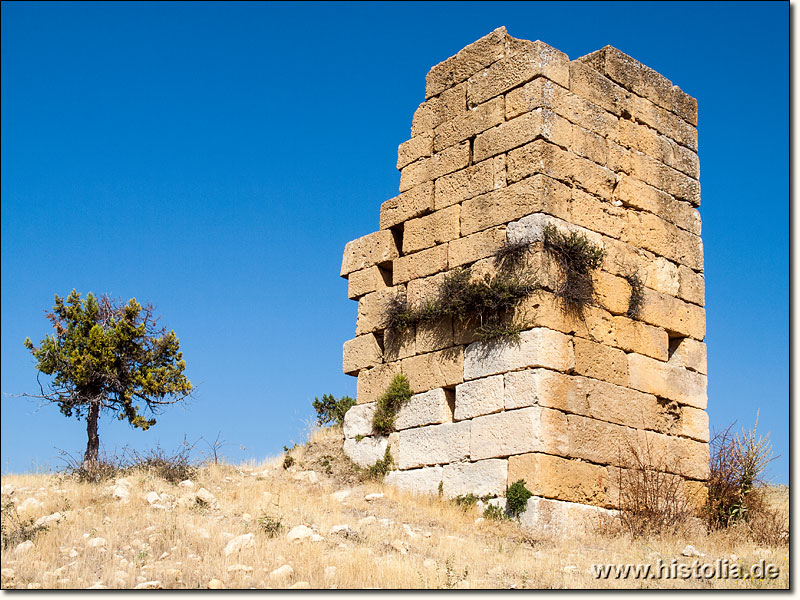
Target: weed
<point>272,527</point>
<point>173,467</point>
<point>441,489</point>
<point>576,257</point>
<point>393,399</point>
<point>359,437</point>
<point>382,466</point>
<point>495,513</point>
<point>330,410</point>
<point>637,294</point>
<point>517,497</point>
<point>288,461</point>
<point>15,529</point>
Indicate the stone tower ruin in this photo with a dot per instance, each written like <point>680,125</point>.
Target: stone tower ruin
<point>515,142</point>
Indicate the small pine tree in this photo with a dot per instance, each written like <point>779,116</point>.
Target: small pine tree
<point>330,410</point>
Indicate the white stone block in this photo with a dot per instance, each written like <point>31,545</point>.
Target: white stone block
<point>358,420</point>
<point>531,387</point>
<point>667,381</point>
<point>366,452</point>
<point>538,347</point>
<point>422,481</point>
<point>479,397</point>
<point>531,228</point>
<point>532,429</point>
<point>482,478</point>
<point>433,445</point>
<point>427,408</point>
<point>555,517</point>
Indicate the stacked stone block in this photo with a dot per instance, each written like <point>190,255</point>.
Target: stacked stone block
<point>514,136</point>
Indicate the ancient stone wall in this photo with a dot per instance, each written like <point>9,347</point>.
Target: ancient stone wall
<point>514,137</point>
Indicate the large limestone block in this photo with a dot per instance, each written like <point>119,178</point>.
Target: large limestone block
<point>538,347</point>
<point>642,80</point>
<point>533,429</point>
<point>560,478</point>
<point>694,424</point>
<point>663,121</point>
<point>436,228</point>
<point>367,280</point>
<point>477,119</point>
<point>424,289</point>
<point>673,314</point>
<point>479,178</point>
<point>536,194</point>
<point>373,311</point>
<point>367,451</point>
<point>597,215</point>
<point>600,362</point>
<point>421,481</point>
<point>419,146</point>
<point>415,202</point>
<point>373,249</point>
<point>372,383</point>
<point>590,85</point>
<point>444,368</point>
<point>432,407</point>
<point>530,229</point>
<point>358,420</point>
<point>476,246</point>
<point>448,105</point>
<point>441,163</point>
<point>667,381</point>
<point>360,353</point>
<point>635,336</point>
<point>467,62</point>
<point>508,135</point>
<point>420,264</point>
<point>563,519</point>
<point>542,387</point>
<point>612,293</point>
<point>637,194</point>
<point>692,286</point>
<point>648,141</point>
<point>479,397</point>
<point>545,309</point>
<point>482,478</point>
<point>399,343</point>
<point>434,335</point>
<point>648,231</point>
<point>433,445</point>
<point>689,354</point>
<point>537,59</point>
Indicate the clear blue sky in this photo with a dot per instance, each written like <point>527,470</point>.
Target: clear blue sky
<point>214,159</point>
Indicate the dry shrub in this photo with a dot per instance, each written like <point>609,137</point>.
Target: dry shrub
<point>653,498</point>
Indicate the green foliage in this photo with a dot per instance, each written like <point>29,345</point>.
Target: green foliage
<point>13,528</point>
<point>637,295</point>
<point>517,498</point>
<point>382,466</point>
<point>106,355</point>
<point>396,395</point>
<point>577,257</point>
<point>330,410</point>
<point>495,513</point>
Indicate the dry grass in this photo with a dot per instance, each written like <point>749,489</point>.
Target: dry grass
<point>183,547</point>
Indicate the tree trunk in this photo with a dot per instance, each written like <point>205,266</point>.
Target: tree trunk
<point>93,444</point>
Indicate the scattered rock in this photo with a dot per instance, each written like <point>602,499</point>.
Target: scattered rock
<point>186,483</point>
<point>23,547</point>
<point>429,563</point>
<point>121,492</point>
<point>215,584</point>
<point>386,522</point>
<point>34,586</point>
<point>479,520</point>
<point>98,586</point>
<point>373,497</point>
<point>300,585</point>
<point>330,572</point>
<point>73,553</point>
<point>205,497</point>
<point>240,569</point>
<point>30,504</point>
<point>269,497</point>
<point>239,543</point>
<point>247,517</point>
<point>343,530</point>
<point>163,555</point>
<point>47,519</point>
<point>150,585</point>
<point>691,551</point>
<point>7,489</point>
<point>368,520</point>
<point>340,495</point>
<point>283,572</point>
<point>309,476</point>
<point>400,546</point>
<point>408,531</point>
<point>569,569</point>
<point>152,497</point>
<point>299,533</point>
<point>8,573</point>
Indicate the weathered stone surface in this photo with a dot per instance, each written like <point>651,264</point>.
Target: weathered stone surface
<point>436,228</point>
<point>367,451</point>
<point>590,212</point>
<point>536,194</point>
<point>420,264</point>
<point>694,424</point>
<point>444,368</point>
<point>643,81</point>
<point>540,122</point>
<point>398,344</point>
<point>560,478</point>
<point>689,354</point>
<point>432,445</point>
<point>692,286</point>
<point>422,481</point>
<point>479,178</point>
<point>612,292</point>
<point>415,202</point>
<point>538,347</point>
<point>424,289</point>
<point>673,314</point>
<point>367,280</point>
<point>419,146</point>
<point>664,122</point>
<point>467,61</point>
<point>476,246</point>
<point>635,336</point>
<point>544,309</point>
<point>358,420</point>
<point>428,408</point>
<point>373,312</point>
<point>360,353</point>
<point>448,105</point>
<point>533,429</point>
<point>647,231</point>
<point>537,59</point>
<point>435,335</point>
<point>374,249</point>
<point>590,85</point>
<point>372,383</point>
<point>482,478</point>
<point>558,518</point>
<point>441,163</point>
<point>479,397</point>
<point>636,194</point>
<point>648,141</point>
<point>474,121</point>
<point>667,381</point>
<point>600,362</point>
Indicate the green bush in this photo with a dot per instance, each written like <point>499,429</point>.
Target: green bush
<point>396,395</point>
<point>517,498</point>
<point>330,410</point>
<point>577,257</point>
<point>382,466</point>
<point>495,513</point>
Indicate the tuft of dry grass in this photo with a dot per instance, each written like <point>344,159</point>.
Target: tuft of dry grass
<point>399,541</point>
